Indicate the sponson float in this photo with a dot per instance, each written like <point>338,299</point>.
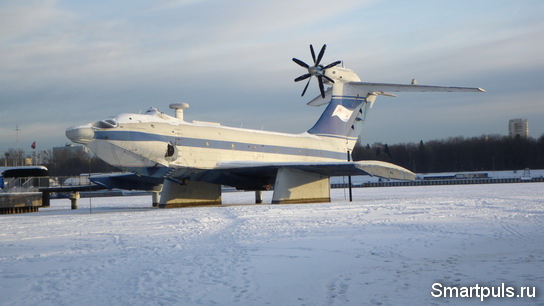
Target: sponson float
<point>189,161</point>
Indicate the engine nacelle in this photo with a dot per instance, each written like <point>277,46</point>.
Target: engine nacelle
<point>343,75</point>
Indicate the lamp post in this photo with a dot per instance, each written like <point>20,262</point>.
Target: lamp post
<point>17,129</point>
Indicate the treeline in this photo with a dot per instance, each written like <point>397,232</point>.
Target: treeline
<point>484,153</point>
<point>76,163</point>
<point>59,162</point>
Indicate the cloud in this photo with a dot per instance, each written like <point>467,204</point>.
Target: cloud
<point>22,21</point>
<point>70,63</point>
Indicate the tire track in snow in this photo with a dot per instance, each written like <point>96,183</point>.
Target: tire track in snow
<point>509,228</point>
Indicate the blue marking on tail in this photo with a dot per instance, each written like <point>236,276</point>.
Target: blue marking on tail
<point>341,119</point>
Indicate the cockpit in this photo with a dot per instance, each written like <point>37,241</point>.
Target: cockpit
<point>105,124</point>
<point>152,115</point>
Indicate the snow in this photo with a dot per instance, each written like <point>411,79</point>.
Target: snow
<point>388,247</point>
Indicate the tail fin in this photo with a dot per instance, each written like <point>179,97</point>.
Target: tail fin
<point>343,118</point>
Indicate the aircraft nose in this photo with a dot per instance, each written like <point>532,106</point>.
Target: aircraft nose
<point>80,134</point>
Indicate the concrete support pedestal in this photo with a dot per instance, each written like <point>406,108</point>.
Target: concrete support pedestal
<point>46,202</point>
<point>258,196</point>
<point>295,186</point>
<point>74,196</point>
<point>155,198</point>
<point>194,193</point>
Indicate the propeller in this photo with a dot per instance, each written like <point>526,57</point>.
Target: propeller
<point>316,70</point>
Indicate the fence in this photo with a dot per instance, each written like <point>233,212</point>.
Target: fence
<point>33,184</point>
<point>443,182</point>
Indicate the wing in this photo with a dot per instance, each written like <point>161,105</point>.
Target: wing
<point>245,175</point>
<point>254,175</point>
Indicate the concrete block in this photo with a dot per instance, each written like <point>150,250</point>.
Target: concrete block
<point>14,203</point>
<point>295,186</point>
<point>194,193</point>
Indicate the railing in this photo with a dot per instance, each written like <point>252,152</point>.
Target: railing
<point>33,184</point>
<point>24,184</point>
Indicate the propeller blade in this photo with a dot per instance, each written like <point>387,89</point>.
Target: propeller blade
<point>306,87</point>
<point>332,65</point>
<point>320,56</point>
<point>313,53</point>
<point>303,77</point>
<point>301,63</point>
<point>328,79</point>
<point>320,79</point>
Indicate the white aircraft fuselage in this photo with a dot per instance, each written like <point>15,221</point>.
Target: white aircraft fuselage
<point>139,142</point>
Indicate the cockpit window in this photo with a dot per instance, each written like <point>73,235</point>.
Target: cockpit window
<point>105,124</point>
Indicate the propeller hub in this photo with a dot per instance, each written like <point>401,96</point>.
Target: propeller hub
<point>316,70</point>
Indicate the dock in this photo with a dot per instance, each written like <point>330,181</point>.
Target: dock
<point>21,202</point>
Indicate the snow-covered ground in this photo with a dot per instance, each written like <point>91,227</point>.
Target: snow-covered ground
<point>388,247</point>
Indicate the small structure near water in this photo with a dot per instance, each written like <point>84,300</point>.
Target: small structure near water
<point>19,189</point>
<point>22,202</point>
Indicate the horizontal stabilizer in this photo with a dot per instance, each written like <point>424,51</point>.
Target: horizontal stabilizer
<point>318,101</point>
<point>364,88</point>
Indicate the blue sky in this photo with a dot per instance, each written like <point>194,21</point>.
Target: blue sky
<point>66,63</point>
